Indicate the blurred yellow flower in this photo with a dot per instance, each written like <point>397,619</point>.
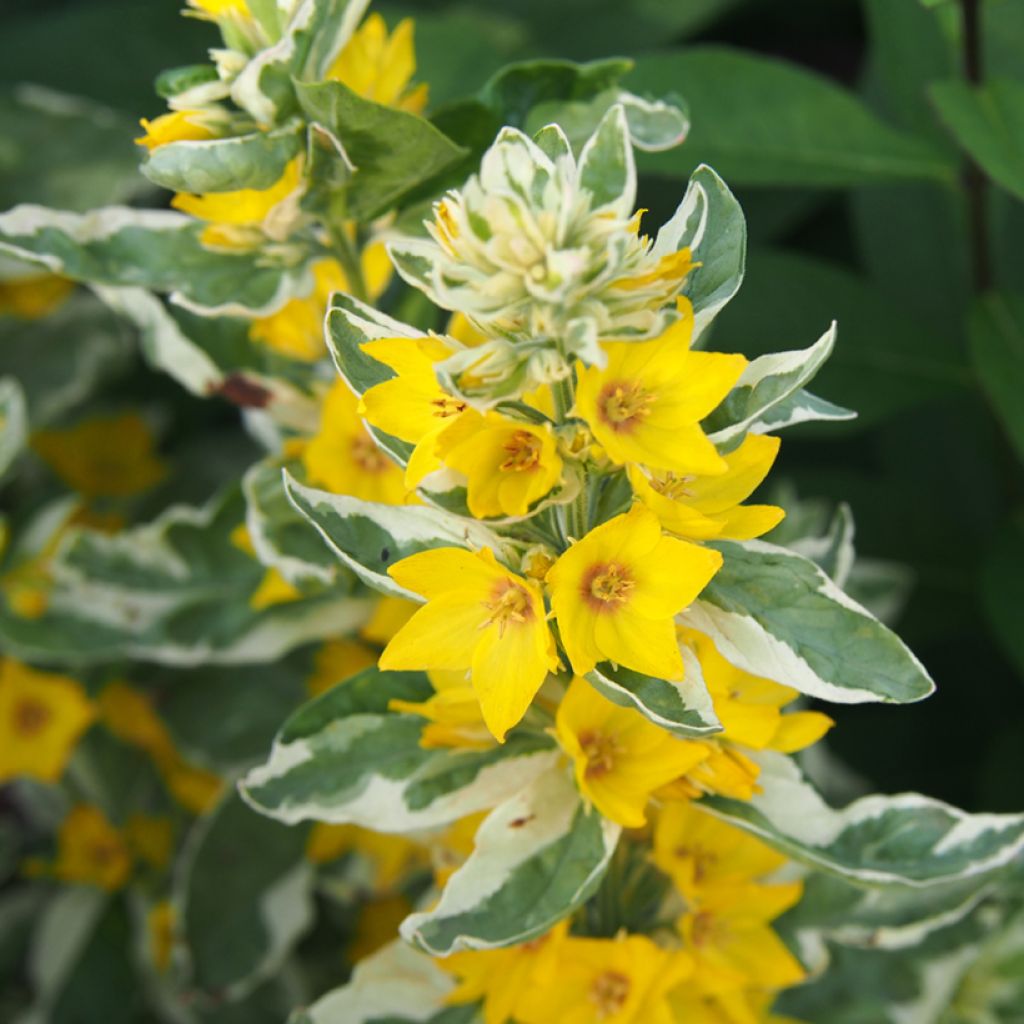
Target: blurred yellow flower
<point>34,296</point>
<point>335,662</point>
<point>90,851</point>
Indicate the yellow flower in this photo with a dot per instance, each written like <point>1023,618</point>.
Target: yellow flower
<point>273,588</point>
<point>178,126</point>
<point>646,405</point>
<point>150,838</point>
<point>411,405</point>
<point>129,715</point>
<point>625,980</point>
<point>453,713</point>
<point>452,847</point>
<point>108,456</point>
<point>90,851</point>
<point>379,67</point>
<point>726,929</point>
<point>508,464</point>
<point>42,716</point>
<point>389,615</point>
<point>504,978</point>
<point>32,297</point>
<point>335,662</point>
<point>619,757</point>
<point>694,1004</point>
<point>345,459</point>
<point>479,617</point>
<point>702,507</point>
<point>160,926</point>
<point>695,850</point>
<point>377,924</point>
<point>390,857</point>
<point>615,592</point>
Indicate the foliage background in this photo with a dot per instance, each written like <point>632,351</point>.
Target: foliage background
<point>838,228</point>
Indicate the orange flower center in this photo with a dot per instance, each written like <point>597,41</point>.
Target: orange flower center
<point>624,405</point>
<point>600,751</point>
<point>444,407</point>
<point>30,716</point>
<point>609,992</point>
<point>523,452</point>
<point>703,860</point>
<point>367,456</point>
<point>509,606</point>
<point>606,586</point>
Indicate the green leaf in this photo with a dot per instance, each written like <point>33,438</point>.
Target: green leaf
<point>997,351</point>
<point>392,151</point>
<point>344,758</point>
<point>1002,589</point>
<point>906,839</point>
<point>606,165</point>
<point>988,122</point>
<point>369,537</point>
<point>254,161</point>
<point>537,858</point>
<point>761,121</point>
<point>774,613</point>
<point>684,708</point>
<point>885,361</point>
<point>155,249</point>
<point>244,892</point>
<point>13,423</point>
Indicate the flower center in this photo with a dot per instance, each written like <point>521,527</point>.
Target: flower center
<point>703,860</point>
<point>509,605</point>
<point>523,452</point>
<point>609,992</point>
<point>30,716</point>
<point>624,405</point>
<point>606,586</point>
<point>600,751</point>
<point>702,927</point>
<point>677,488</point>
<point>367,456</point>
<point>444,406</point>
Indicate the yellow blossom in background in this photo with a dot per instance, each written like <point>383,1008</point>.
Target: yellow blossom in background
<point>379,67</point>
<point>453,713</point>
<point>389,857</point>
<point>389,615</point>
<point>108,456</point>
<point>625,980</point>
<point>273,588</point>
<point>450,848</point>
<point>90,851</point>
<point>702,507</point>
<point>694,1004</point>
<point>337,661</point>
<point>129,715</point>
<point>726,929</point>
<point>344,458</point>
<point>619,757</point>
<point>377,924</point>
<point>179,126</point>
<point>615,592</point>
<point>695,849</point>
<point>508,464</point>
<point>160,928</point>
<point>34,296</point>
<point>150,838</point>
<point>42,717</point>
<point>411,405</point>
<point>504,978</point>
<point>646,404</point>
<point>480,617</point>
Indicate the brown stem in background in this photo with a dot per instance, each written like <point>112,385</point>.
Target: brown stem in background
<point>975,182</point>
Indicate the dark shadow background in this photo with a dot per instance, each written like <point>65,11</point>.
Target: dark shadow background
<point>934,485</point>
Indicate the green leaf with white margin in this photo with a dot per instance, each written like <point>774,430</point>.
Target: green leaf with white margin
<point>606,167</point>
<point>396,984</point>
<point>155,249</point>
<point>832,551</point>
<point>369,537</point>
<point>908,839</point>
<point>239,924</point>
<point>280,535</point>
<point>254,161</point>
<point>344,758</point>
<point>175,591</point>
<point>774,613</point>
<point>769,385</point>
<point>536,858</point>
<point>392,150</point>
<point>710,221</point>
<point>13,423</point>
<point>682,708</point>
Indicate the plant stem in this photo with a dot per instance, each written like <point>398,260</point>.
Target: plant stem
<point>348,257</point>
<point>975,182</point>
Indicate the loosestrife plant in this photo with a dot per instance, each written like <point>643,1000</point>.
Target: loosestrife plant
<point>542,663</point>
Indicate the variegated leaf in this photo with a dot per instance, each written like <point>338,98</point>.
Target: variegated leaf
<point>13,423</point>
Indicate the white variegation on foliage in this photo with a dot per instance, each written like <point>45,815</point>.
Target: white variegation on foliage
<point>155,249</point>
<point>397,983</point>
<point>537,857</point>
<point>683,708</point>
<point>906,840</point>
<point>774,613</point>
<point>369,537</point>
<point>833,551</point>
<point>13,423</point>
<point>342,758</point>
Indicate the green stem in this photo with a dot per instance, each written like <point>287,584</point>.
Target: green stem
<point>348,256</point>
<point>564,399</point>
<point>577,514</point>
